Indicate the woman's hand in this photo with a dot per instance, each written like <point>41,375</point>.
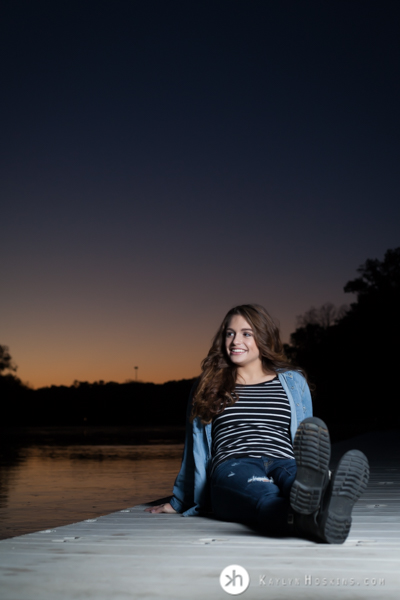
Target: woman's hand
<point>161,508</point>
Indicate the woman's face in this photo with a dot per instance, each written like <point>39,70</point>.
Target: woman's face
<point>240,344</point>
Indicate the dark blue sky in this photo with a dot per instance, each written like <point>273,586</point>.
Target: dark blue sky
<point>163,161</point>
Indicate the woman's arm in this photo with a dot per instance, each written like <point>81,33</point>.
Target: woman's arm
<point>306,400</point>
<point>183,492</point>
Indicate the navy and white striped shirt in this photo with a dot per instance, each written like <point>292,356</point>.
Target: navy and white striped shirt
<point>258,424</point>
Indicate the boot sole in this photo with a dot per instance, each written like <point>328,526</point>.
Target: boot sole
<point>348,483</point>
<point>312,451</point>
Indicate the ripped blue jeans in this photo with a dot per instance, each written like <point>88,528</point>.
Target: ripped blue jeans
<point>254,491</point>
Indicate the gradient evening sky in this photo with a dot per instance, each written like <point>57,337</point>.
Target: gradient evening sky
<point>163,161</point>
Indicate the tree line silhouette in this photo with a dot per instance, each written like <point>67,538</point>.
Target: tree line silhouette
<point>350,355</point>
<point>96,404</point>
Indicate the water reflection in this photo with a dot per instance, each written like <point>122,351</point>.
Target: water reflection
<point>45,486</point>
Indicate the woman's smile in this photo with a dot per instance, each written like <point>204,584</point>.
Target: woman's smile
<point>240,343</point>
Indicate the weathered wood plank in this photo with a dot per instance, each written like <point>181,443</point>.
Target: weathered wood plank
<point>132,554</point>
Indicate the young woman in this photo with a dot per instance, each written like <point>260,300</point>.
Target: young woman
<point>253,452</point>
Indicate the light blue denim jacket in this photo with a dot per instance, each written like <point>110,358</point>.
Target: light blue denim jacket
<point>190,493</point>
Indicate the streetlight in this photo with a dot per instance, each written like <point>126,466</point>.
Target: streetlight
<point>136,370</point>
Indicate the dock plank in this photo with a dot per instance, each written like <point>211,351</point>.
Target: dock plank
<point>131,554</point>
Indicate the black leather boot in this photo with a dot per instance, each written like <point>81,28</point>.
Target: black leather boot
<point>307,527</point>
<point>331,523</point>
<point>348,483</point>
<point>312,451</point>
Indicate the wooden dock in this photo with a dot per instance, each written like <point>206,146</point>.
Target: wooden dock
<point>136,555</point>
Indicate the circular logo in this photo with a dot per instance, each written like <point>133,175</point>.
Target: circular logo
<point>234,580</point>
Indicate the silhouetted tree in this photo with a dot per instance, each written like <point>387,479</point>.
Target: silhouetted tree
<point>374,320</point>
<point>12,391</point>
<point>324,316</point>
<point>6,360</point>
<point>378,278</point>
<point>352,355</point>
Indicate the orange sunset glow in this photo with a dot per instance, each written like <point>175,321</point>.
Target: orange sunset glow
<point>161,166</point>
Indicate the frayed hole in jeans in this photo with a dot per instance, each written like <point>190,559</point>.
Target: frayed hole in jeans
<point>264,479</point>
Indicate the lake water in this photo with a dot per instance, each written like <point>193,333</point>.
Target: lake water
<point>45,486</point>
<point>50,477</point>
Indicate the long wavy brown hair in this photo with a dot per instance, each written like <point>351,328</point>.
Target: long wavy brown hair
<point>216,387</point>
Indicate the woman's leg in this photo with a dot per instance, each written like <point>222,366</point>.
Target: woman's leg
<point>244,490</point>
<point>322,508</point>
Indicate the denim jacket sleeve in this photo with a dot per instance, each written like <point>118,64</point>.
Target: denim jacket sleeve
<point>298,392</point>
<point>183,492</point>
<point>191,489</point>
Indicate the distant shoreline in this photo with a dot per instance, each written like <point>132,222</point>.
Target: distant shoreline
<point>87,435</point>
